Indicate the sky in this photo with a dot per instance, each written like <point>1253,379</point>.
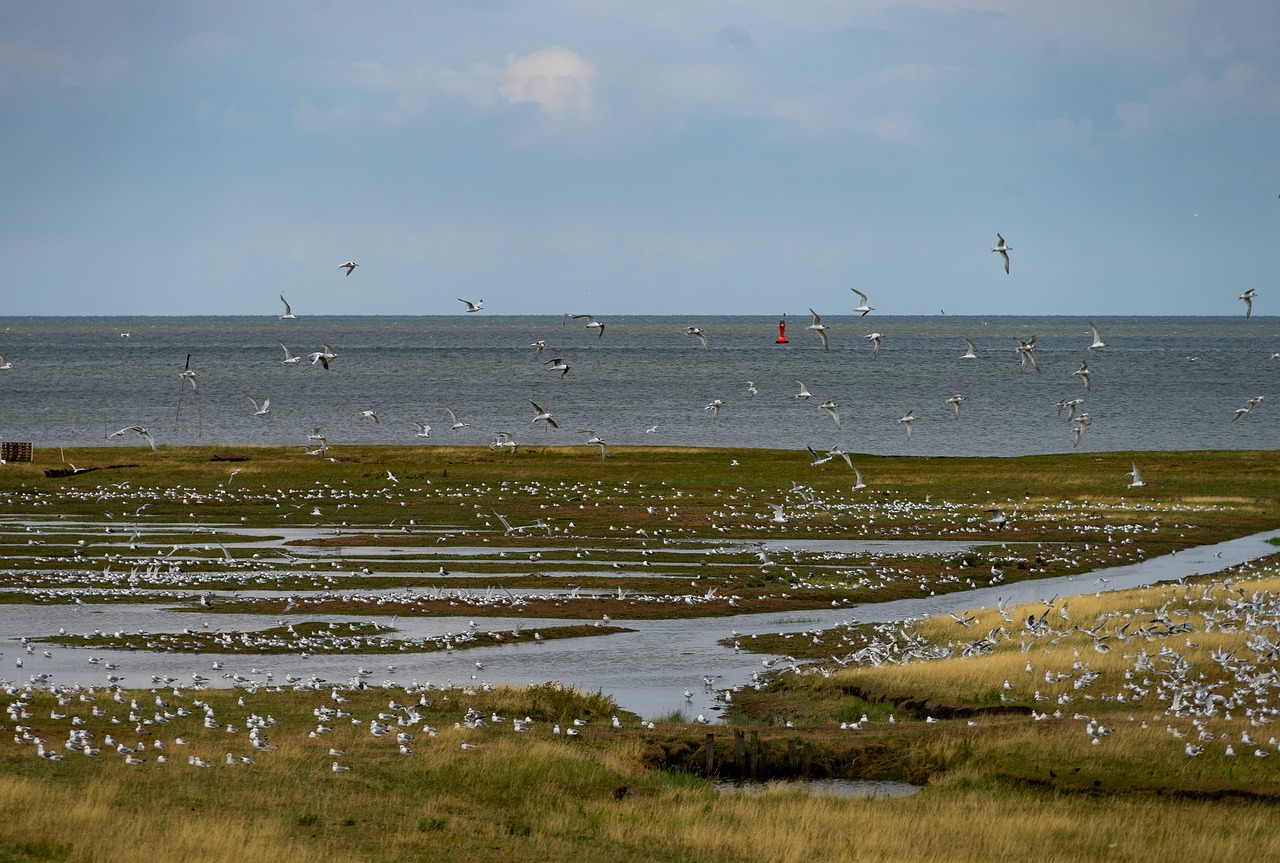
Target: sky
<point>657,157</point>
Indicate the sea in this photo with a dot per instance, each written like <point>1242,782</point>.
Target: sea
<point>1160,383</point>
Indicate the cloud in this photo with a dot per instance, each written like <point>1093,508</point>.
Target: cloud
<point>1242,89</point>
<point>555,79</point>
<point>29,66</point>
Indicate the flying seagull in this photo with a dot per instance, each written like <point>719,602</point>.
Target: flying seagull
<point>832,408</point>
<point>972,352</point>
<point>1083,372</point>
<point>289,356</point>
<point>1003,250</point>
<point>542,414</point>
<point>1137,477</point>
<point>1097,338</point>
<point>1248,296</point>
<point>875,338</point>
<point>804,390</point>
<point>714,407</point>
<point>558,365</point>
<point>348,266</point>
<point>472,307</point>
<point>324,356</point>
<point>457,421</point>
<point>424,429</point>
<point>818,327</point>
<point>862,307</point>
<point>259,409</point>
<point>592,323</point>
<point>697,333</point>
<point>907,419</point>
<point>139,430</point>
<point>955,401</point>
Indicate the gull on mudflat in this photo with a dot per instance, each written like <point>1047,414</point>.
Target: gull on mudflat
<point>820,328</point>
<point>424,430</point>
<point>457,422</point>
<point>348,266</point>
<point>832,408</point>
<point>472,307</point>
<point>1003,250</point>
<point>972,352</point>
<point>804,390</point>
<point>907,419</point>
<point>259,409</point>
<point>290,357</point>
<point>874,338</point>
<point>558,365</point>
<point>288,312</point>
<point>1247,297</point>
<point>697,333</point>
<point>592,323</point>
<point>540,414</point>
<point>1083,372</point>
<point>139,430</point>
<point>955,401</point>
<point>1137,477</point>
<point>862,307</point>
<point>1097,338</point>
<point>714,407</point>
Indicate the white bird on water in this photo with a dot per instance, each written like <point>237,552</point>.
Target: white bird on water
<point>862,307</point>
<point>472,307</point>
<point>1003,250</point>
<point>820,328</point>
<point>349,266</point>
<point>288,312</point>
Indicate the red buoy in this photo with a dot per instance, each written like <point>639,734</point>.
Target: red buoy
<point>782,331</point>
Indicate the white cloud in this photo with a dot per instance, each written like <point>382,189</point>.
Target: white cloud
<point>555,79</point>
<point>1242,89</point>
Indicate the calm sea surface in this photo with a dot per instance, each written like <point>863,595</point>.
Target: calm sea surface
<point>1160,383</point>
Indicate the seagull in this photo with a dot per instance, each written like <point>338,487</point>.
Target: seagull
<point>998,517</point>
<point>424,430</point>
<point>1248,296</point>
<point>698,333</point>
<point>288,312</point>
<point>541,414</point>
<point>874,338</point>
<point>714,407</point>
<point>592,323</point>
<point>538,347</point>
<point>188,374</point>
<point>818,459</point>
<point>1003,250</point>
<point>1071,405</point>
<point>955,401</point>
<point>5,364</point>
<point>393,477</point>
<point>472,307</point>
<point>832,408</point>
<point>751,386</point>
<point>558,365</point>
<point>1083,372</point>
<point>457,423</point>
<point>971,353</point>
<point>349,266</point>
<point>259,409</point>
<point>804,390</point>
<point>1027,352</point>
<point>858,484</point>
<point>907,420</point>
<point>290,358</point>
<point>505,440</point>
<point>863,307</point>
<point>818,327</point>
<point>1137,477</point>
<point>324,356</point>
<point>139,430</point>
<point>594,439</point>
<point>371,415</point>
<point>1097,338</point>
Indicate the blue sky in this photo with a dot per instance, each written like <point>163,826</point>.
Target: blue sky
<point>620,158</point>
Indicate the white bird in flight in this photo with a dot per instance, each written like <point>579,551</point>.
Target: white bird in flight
<point>804,390</point>
<point>1097,338</point>
<point>541,414</point>
<point>139,430</point>
<point>955,401</point>
<point>1247,297</point>
<point>907,419</point>
<point>874,338</point>
<point>558,365</point>
<point>324,356</point>
<point>349,266</point>
<point>289,356</point>
<point>832,408</point>
<point>424,429</point>
<point>538,347</point>
<point>373,415</point>
<point>457,421</point>
<point>472,307</point>
<point>858,484</point>
<point>1083,372</point>
<point>288,311</point>
<point>1003,250</point>
<point>751,385</point>
<point>862,307</point>
<point>5,364</point>
<point>592,323</point>
<point>818,327</point>
<point>714,407</point>
<point>259,409</point>
<point>972,352</point>
<point>189,375</point>
<point>697,333</point>
<point>1137,477</point>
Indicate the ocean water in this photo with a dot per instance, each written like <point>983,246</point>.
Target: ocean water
<point>1161,383</point>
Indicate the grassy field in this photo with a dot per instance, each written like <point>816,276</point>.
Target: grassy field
<point>1060,731</point>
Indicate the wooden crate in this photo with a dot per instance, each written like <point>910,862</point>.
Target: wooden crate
<point>15,451</point>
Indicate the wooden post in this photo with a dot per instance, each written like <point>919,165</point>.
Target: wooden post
<point>791,755</point>
<point>710,753</point>
<point>756,754</point>
<point>807,759</point>
<point>739,753</point>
